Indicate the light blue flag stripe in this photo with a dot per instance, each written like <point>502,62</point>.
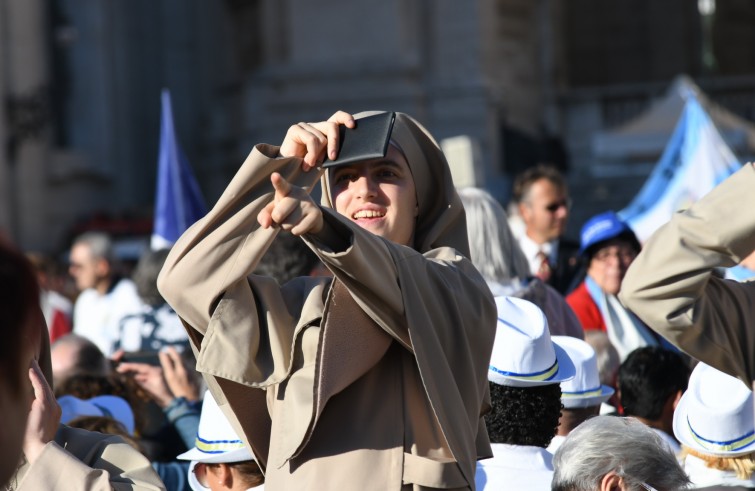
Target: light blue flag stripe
<point>694,161</point>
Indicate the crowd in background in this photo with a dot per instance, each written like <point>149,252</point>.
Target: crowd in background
<point>117,400</point>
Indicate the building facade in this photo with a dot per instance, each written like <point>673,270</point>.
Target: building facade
<point>525,80</point>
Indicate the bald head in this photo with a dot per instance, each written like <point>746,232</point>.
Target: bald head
<point>73,354</point>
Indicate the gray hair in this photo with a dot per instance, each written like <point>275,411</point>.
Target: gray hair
<point>493,249</point>
<point>100,244</point>
<point>625,446</point>
<point>145,276</point>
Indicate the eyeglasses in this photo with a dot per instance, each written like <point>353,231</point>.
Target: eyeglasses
<point>623,254</point>
<point>554,207</point>
<point>647,487</point>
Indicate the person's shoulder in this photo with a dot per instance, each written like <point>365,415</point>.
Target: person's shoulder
<point>78,441</point>
<point>124,289</point>
<point>86,296</point>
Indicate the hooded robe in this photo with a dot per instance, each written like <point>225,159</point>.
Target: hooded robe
<point>375,379</point>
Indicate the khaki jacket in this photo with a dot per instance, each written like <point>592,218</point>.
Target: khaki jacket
<point>87,461</point>
<point>672,288</point>
<point>379,383</point>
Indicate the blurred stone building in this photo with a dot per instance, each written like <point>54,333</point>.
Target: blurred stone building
<point>525,80</point>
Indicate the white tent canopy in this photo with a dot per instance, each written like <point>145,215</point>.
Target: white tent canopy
<point>647,135</point>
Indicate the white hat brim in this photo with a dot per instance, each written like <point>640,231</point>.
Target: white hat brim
<point>194,483</point>
<point>575,402</point>
<point>566,371</point>
<point>683,432</point>
<point>238,455</point>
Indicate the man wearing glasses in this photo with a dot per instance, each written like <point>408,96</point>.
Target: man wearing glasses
<point>543,203</point>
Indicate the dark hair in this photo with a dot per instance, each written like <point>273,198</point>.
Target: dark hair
<point>145,276</point>
<point>88,385</point>
<point>627,236</point>
<point>106,425</point>
<point>647,378</point>
<point>19,306</point>
<point>524,181</point>
<point>524,415</point>
<point>287,258</point>
<point>249,472</point>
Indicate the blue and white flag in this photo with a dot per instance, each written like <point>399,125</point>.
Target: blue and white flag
<point>694,161</point>
<point>178,202</point>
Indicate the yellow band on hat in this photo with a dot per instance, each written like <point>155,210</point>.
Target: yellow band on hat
<point>217,446</point>
<point>582,394</point>
<point>539,376</point>
<point>727,446</point>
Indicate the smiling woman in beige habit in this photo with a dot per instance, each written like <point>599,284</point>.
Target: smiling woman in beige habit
<point>374,379</point>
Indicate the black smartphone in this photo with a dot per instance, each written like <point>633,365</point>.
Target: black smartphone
<point>368,140</point>
<point>148,357</point>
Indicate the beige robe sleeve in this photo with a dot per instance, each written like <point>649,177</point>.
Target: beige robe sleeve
<point>206,277</point>
<point>90,462</point>
<point>672,288</point>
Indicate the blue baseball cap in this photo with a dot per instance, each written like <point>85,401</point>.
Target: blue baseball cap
<point>604,227</point>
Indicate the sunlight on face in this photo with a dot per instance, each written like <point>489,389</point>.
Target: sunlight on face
<point>379,195</point>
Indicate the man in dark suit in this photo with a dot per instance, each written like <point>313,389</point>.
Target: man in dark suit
<point>542,200</point>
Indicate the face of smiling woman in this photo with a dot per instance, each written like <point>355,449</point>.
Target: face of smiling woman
<point>379,195</point>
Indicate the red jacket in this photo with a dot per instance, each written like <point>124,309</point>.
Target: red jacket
<point>586,309</point>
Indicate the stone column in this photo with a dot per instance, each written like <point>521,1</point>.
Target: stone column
<point>27,117</point>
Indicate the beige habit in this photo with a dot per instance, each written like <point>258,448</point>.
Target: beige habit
<point>373,381</point>
<point>672,288</point>
<point>84,460</point>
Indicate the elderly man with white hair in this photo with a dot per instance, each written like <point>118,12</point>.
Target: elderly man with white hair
<point>610,453</point>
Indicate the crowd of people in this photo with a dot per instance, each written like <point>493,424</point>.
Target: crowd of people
<point>401,334</point>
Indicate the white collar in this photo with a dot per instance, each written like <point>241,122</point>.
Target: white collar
<point>531,249</point>
<point>522,456</point>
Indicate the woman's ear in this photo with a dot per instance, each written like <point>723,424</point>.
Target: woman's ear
<point>220,473</point>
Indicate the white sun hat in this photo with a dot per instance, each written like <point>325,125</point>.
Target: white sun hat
<point>715,414</point>
<point>523,353</point>
<point>585,389</point>
<point>113,407</point>
<point>216,441</point>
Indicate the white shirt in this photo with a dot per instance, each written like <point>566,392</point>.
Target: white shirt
<point>96,316</point>
<point>515,467</point>
<point>531,249</point>
<point>555,443</point>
